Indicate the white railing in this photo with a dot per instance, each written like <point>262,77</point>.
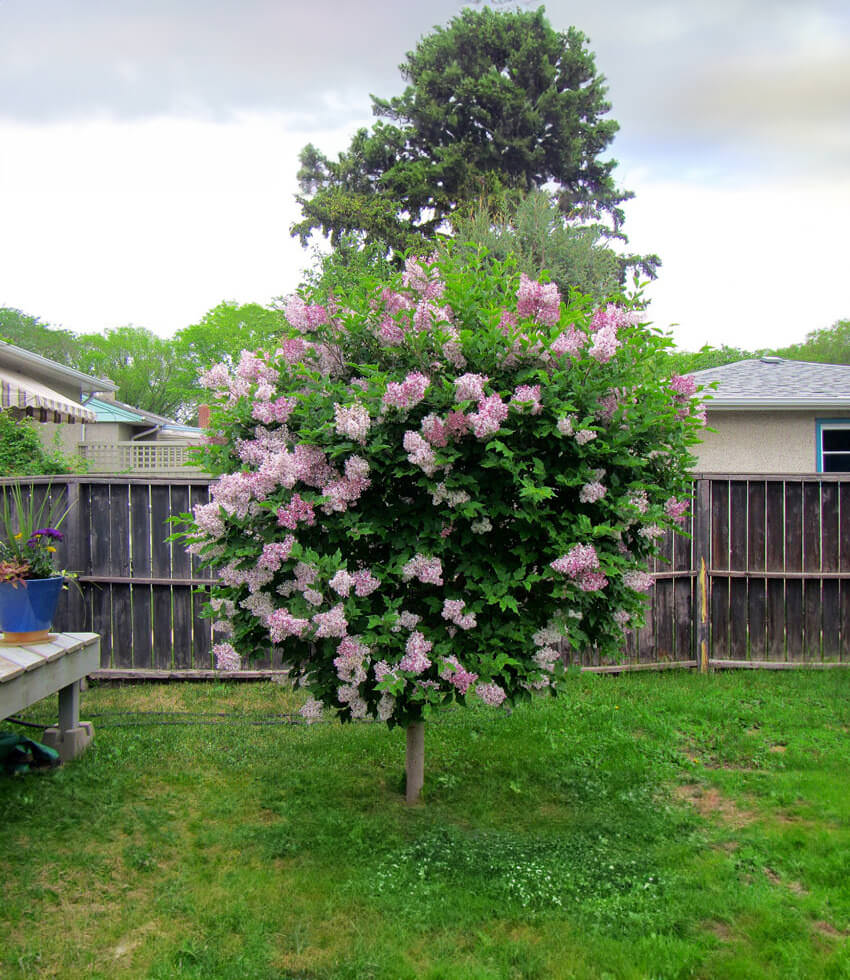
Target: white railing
<point>137,457</point>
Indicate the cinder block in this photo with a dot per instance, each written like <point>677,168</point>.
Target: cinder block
<point>71,743</point>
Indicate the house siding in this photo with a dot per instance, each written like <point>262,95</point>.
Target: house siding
<point>761,441</point>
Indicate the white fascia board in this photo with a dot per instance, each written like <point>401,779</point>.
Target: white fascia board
<point>795,404</point>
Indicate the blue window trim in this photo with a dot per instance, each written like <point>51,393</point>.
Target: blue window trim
<point>820,425</point>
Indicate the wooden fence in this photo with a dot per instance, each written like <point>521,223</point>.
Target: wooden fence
<point>761,577</point>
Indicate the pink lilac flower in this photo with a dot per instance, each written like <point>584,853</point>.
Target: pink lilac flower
<point>256,578</point>
<point>507,322</point>
<point>583,436</point>
<point>684,386</point>
<point>428,315</point>
<point>382,669</point>
<point>395,302</point>
<point>434,430</point>
<point>209,520</point>
<point>260,605</point>
<point>305,318</point>
<point>622,618</point>
<point>676,510</point>
<point>313,597</point>
<point>427,570</point>
<point>225,625</point>
<point>591,581</point>
<point>604,346</point>
<point>580,558</point>
<point>352,421</point>
<point>357,470</point>
<point>408,619</point>
<point>424,281</point>
<point>457,424</point>
<point>651,531</point>
<point>415,658</point>
<point>457,675</point>
<point>538,301</point>
<point>273,411</point>
<point>296,510</point>
<point>341,583</point>
<point>275,553</point>
<point>453,612</point>
<point>217,378</point>
<point>608,405</point>
<point>332,623</point>
<point>639,500</point>
<point>305,575</point>
<point>407,393</point>
<point>292,350</point>
<point>570,343</point>
<point>419,452</point>
<point>226,657</point>
<point>453,353</point>
<point>386,706</point>
<point>365,582</point>
<point>350,660</point>
<point>282,623</point>
<point>470,387</point>
<point>546,657</point>
<point>487,421</point>
<point>613,318</point>
<point>591,492</point>
<point>565,425</point>
<point>311,710</point>
<point>491,694</point>
<point>527,397</point>
<point>638,581</point>
<point>390,332</point>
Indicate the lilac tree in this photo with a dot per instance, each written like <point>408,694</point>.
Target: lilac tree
<point>434,484</point>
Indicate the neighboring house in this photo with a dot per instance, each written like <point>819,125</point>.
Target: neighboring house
<point>80,417</point>
<point>50,393</point>
<point>772,415</point>
<point>127,439</point>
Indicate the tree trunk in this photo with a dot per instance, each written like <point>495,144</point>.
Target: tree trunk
<point>415,762</point>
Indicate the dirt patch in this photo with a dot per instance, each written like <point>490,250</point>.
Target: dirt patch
<point>826,929</point>
<point>779,747</point>
<point>709,802</point>
<point>719,929</point>
<point>792,886</point>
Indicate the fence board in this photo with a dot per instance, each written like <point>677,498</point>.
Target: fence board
<point>794,639</point>
<point>812,598</point>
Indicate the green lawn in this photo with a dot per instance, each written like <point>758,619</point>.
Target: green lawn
<point>667,825</point>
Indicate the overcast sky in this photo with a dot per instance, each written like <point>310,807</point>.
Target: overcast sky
<point>148,150</point>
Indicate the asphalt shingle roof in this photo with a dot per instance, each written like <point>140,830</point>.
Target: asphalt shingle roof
<point>773,382</point>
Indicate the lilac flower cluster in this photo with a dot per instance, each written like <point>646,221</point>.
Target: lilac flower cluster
<point>538,301</point>
<point>419,452</point>
<point>425,569</point>
<point>591,492</point>
<point>226,657</point>
<point>580,563</point>
<point>638,581</point>
<point>352,421</point>
<point>676,510</point>
<point>527,398</point>
<point>487,421</point>
<point>406,394</point>
<point>453,612</point>
<point>416,650</point>
<point>295,511</point>
<point>470,387</point>
<point>491,694</point>
<point>457,675</point>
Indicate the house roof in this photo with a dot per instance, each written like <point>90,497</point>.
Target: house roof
<point>45,370</point>
<point>771,382</point>
<point>115,411</point>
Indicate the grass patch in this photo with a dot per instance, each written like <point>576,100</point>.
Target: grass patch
<point>671,825</point>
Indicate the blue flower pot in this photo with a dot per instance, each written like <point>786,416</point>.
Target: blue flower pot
<point>27,608</point>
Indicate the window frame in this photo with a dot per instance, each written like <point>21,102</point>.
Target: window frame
<point>825,425</point>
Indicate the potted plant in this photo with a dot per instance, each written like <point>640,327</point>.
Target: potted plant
<point>30,583</point>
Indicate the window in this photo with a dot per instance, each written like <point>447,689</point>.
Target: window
<point>833,445</point>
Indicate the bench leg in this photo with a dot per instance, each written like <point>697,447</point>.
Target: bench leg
<point>70,737</point>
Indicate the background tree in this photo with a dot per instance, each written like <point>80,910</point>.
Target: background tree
<point>142,364</point>
<point>29,333</point>
<point>575,257</point>
<point>495,101</point>
<point>829,345</point>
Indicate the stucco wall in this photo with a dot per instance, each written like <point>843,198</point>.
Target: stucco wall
<point>761,442</point>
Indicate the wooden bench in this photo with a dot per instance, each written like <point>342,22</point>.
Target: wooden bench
<point>30,673</point>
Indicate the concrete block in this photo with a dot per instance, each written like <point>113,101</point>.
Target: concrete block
<point>69,744</point>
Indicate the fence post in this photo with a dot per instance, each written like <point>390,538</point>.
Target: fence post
<point>702,563</point>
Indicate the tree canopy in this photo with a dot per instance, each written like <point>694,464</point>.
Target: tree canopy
<point>496,101</point>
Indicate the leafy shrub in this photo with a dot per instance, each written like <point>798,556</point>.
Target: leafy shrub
<point>434,482</point>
